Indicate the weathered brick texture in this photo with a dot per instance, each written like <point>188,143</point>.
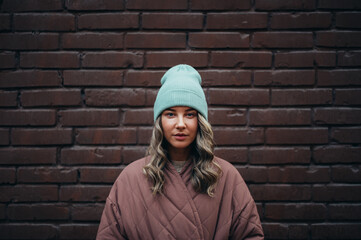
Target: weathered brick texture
<point>78,80</point>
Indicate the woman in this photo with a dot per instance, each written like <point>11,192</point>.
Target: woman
<point>180,190</point>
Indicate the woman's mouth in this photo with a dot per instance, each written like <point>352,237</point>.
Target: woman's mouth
<point>180,136</point>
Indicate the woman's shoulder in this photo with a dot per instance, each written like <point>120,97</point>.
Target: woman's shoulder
<point>228,170</point>
<point>225,165</point>
<point>133,170</point>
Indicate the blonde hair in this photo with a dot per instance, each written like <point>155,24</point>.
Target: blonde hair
<point>205,173</point>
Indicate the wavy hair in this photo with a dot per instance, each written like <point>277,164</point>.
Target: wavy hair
<point>205,173</point>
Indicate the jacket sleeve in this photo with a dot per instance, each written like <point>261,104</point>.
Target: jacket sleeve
<point>111,226</point>
<point>246,223</point>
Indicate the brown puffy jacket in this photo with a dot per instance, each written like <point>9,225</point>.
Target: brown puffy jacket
<point>133,212</point>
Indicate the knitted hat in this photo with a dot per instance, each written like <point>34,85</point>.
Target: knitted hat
<point>181,86</point>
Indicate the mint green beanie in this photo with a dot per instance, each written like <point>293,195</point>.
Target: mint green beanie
<point>181,86</point>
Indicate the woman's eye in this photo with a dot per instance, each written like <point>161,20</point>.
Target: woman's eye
<point>191,114</point>
<point>169,114</point>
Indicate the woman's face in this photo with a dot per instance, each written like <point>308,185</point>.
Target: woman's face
<point>180,125</point>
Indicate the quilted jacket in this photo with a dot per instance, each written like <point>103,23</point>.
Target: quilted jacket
<point>133,212</point>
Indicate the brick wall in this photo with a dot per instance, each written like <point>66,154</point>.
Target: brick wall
<point>78,80</point>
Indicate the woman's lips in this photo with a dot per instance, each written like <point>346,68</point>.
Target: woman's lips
<point>180,136</point>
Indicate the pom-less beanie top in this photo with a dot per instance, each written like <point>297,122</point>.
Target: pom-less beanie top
<point>181,86</point>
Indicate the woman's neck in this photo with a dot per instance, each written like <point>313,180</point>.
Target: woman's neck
<point>177,154</point>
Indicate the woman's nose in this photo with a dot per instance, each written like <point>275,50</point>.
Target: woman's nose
<point>180,122</point>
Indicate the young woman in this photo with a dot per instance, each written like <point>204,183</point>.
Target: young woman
<point>180,190</point>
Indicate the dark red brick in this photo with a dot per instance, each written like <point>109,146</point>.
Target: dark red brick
<point>236,20</point>
<point>115,97</point>
<point>29,41</point>
<point>238,136</point>
<point>47,136</point>
<point>289,136</point>
<point>282,40</point>
<point>108,21</point>
<point>299,175</point>
<point>92,40</point>
<point>84,193</point>
<point>232,154</point>
<point>38,212</point>
<point>109,136</point>
<point>301,20</point>
<point>344,211</point>
<point>89,117</point>
<point>78,231</point>
<point>305,59</point>
<point>8,98</point>
<point>87,155</point>
<point>85,5</point>
<point>99,174</point>
<point>337,5</point>
<point>29,193</point>
<point>279,155</point>
<point>138,117</point>
<point>7,175</point>
<point>284,78</point>
<point>2,211</point>
<point>276,192</point>
<point>338,39</point>
<point>298,231</point>
<point>349,77</point>
<point>31,5</point>
<point>44,22</point>
<point>170,59</point>
<point>253,174</point>
<point>335,230</point>
<point>305,97</point>
<point>348,20</point>
<point>87,212</point>
<point>349,59</point>
<point>46,175</point>
<point>7,60</point>
<point>27,156</point>
<point>296,212</point>
<point>28,231</point>
<point>283,117</point>
<point>4,137</point>
<point>155,40</point>
<point>29,79</point>
<point>143,78</point>
<point>337,154</point>
<point>347,135</point>
<point>172,21</point>
<point>246,97</point>
<point>285,5</point>
<point>57,97</point>
<point>106,78</point>
<point>257,59</point>
<point>332,116</point>
<point>27,117</point>
<point>130,154</point>
<point>144,135</point>
<point>227,116</point>
<point>49,60</point>
<point>218,40</point>
<point>157,5</point>
<point>349,174</point>
<point>150,97</point>
<point>336,193</point>
<point>226,78</point>
<point>220,5</point>
<point>5,21</point>
<point>275,230</point>
<point>112,59</point>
